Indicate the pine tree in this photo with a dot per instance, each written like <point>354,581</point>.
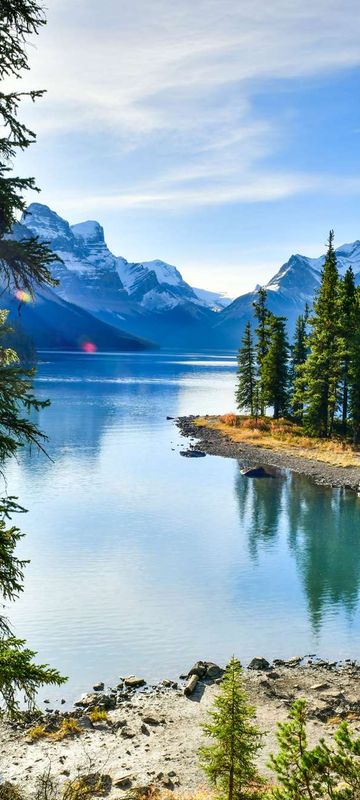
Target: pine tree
<point>275,368</point>
<point>230,761</point>
<point>321,373</point>
<point>327,772</point>
<point>354,379</point>
<point>263,317</point>
<point>348,314</point>
<point>299,352</point>
<point>23,265</point>
<point>245,390</point>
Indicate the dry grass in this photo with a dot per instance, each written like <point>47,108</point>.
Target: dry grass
<point>99,715</point>
<point>68,727</point>
<point>281,434</point>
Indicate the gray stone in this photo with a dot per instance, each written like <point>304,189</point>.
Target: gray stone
<point>98,687</point>
<point>134,682</point>
<point>213,671</point>
<point>259,663</point>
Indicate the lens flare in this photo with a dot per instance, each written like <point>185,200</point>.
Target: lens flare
<point>23,296</point>
<point>89,347</point>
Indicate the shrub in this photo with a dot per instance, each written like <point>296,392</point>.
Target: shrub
<point>229,419</point>
<point>68,727</point>
<point>99,715</point>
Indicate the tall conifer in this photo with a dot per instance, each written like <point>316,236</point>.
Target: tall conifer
<point>245,390</point>
<point>230,760</point>
<point>348,314</point>
<point>263,317</point>
<point>321,374</point>
<point>275,368</point>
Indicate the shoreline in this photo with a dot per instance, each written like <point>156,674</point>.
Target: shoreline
<point>151,736</point>
<point>213,442</point>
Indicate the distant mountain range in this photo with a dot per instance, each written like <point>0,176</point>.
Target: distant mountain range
<point>119,305</point>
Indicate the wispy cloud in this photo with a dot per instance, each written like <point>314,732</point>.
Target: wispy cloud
<point>177,84</point>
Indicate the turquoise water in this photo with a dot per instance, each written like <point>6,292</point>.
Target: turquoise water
<point>144,561</point>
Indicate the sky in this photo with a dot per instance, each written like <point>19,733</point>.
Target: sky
<point>218,135</point>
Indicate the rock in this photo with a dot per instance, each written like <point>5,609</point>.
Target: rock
<point>213,671</point>
<point>199,669</point>
<point>123,781</point>
<point>87,699</point>
<point>134,682</point>
<point>144,729</point>
<point>192,453</point>
<point>98,687</point>
<point>127,733</point>
<point>259,663</point>
<point>96,783</point>
<point>150,720</point>
<point>274,675</point>
<point>255,472</point>
<point>85,722</point>
<point>319,687</point>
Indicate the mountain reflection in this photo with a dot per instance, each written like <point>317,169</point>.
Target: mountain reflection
<point>321,529</point>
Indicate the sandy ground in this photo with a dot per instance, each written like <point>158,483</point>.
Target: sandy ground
<point>154,737</point>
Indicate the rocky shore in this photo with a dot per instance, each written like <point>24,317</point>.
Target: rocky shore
<point>150,735</point>
<point>212,442</point>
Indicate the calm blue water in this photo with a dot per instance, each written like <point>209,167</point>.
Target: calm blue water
<point>144,561</point>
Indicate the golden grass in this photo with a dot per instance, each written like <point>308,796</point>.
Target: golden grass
<point>284,435</point>
<point>99,715</point>
<point>68,727</point>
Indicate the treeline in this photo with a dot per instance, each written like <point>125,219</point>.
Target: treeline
<point>315,380</point>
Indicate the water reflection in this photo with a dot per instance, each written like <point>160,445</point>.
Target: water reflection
<point>321,527</point>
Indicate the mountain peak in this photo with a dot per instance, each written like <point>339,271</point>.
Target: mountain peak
<point>89,231</point>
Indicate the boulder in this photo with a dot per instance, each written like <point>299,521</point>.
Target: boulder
<point>259,663</point>
<point>123,781</point>
<point>150,720</point>
<point>98,687</point>
<point>192,453</point>
<point>199,669</point>
<point>213,671</point>
<point>133,682</point>
<point>87,699</point>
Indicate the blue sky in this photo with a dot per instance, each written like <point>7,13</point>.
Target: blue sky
<point>218,136</point>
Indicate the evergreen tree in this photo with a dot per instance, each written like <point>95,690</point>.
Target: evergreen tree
<point>245,390</point>
<point>275,368</point>
<point>348,314</point>
<point>263,317</point>
<point>321,373</point>
<point>22,265</point>
<point>327,772</point>
<point>354,379</point>
<point>230,761</point>
<point>299,352</point>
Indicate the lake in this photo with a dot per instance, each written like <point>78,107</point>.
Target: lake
<point>143,561</point>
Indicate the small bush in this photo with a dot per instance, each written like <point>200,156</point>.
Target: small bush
<point>99,715</point>
<point>9,791</point>
<point>229,419</point>
<point>68,727</point>
<point>37,732</point>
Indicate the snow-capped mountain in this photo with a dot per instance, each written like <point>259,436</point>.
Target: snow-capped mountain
<point>289,290</point>
<point>151,300</point>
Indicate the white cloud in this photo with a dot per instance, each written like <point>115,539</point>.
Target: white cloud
<point>182,77</point>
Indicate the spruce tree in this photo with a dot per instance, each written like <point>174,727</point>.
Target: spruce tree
<point>326,772</point>
<point>299,352</point>
<point>23,265</point>
<point>229,761</point>
<point>275,368</point>
<point>354,380</point>
<point>317,386</point>
<point>348,314</point>
<point>262,331</point>
<point>245,390</point>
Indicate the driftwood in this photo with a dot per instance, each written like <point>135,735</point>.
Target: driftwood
<point>190,685</point>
